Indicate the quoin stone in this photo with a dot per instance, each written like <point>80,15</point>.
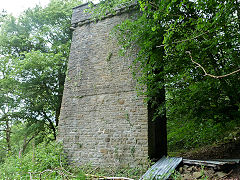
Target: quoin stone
<point>102,121</point>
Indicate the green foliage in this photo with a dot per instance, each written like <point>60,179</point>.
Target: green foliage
<point>47,160</point>
<point>126,171</point>
<point>9,105</point>
<point>44,157</point>
<point>189,134</point>
<point>181,44</point>
<point>105,7</point>
<point>34,50</point>
<point>174,38</point>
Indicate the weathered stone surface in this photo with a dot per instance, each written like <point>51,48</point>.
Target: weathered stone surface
<point>221,174</point>
<point>186,177</point>
<point>190,169</point>
<point>181,170</point>
<point>197,175</point>
<point>210,172</point>
<point>102,119</point>
<point>78,14</point>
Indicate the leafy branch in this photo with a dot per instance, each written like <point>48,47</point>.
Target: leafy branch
<point>184,40</point>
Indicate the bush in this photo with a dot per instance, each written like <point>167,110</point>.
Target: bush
<point>189,134</point>
<point>45,160</point>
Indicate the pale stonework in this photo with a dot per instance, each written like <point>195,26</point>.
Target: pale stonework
<point>102,121</point>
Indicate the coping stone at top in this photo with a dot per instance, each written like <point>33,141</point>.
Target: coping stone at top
<point>80,17</point>
<point>84,4</point>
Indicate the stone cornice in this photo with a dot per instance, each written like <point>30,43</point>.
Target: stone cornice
<point>81,17</point>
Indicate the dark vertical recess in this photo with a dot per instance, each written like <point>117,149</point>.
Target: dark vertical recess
<point>157,120</point>
<point>157,129</point>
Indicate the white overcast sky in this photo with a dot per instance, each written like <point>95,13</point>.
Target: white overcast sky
<point>17,6</point>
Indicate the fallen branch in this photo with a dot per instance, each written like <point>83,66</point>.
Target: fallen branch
<point>205,72</point>
<point>109,178</point>
<point>30,174</point>
<point>226,175</point>
<point>61,171</point>
<point>64,173</point>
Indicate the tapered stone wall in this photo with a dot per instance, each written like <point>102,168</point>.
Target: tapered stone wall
<point>102,121</point>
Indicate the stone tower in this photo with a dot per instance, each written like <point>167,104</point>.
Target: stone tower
<point>102,121</point>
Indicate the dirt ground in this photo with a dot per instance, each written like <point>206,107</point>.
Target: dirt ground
<point>229,150</point>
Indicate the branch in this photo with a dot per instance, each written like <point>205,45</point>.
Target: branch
<point>226,175</point>
<point>64,173</point>
<point>205,72</point>
<point>25,143</point>
<point>176,42</point>
<point>154,5</point>
<point>61,171</point>
<point>104,177</point>
<point>30,174</point>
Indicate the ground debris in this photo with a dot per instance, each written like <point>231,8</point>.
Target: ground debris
<point>191,172</point>
<point>217,163</point>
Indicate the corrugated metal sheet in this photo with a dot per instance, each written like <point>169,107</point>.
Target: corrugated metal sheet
<point>212,163</point>
<point>162,169</point>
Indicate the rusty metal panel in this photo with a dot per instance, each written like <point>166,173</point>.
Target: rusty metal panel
<point>162,169</point>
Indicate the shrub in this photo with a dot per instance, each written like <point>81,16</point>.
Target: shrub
<point>46,160</point>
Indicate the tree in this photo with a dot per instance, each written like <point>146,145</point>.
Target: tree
<point>189,61</point>
<point>8,104</point>
<point>35,47</point>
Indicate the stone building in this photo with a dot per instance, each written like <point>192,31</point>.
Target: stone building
<point>102,121</point>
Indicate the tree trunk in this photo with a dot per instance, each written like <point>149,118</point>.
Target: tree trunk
<point>25,143</point>
<point>61,81</point>
<point>8,136</point>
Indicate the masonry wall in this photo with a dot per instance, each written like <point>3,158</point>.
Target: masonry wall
<point>102,121</point>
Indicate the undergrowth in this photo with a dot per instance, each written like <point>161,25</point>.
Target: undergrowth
<point>48,161</point>
<point>183,136</point>
<point>45,161</point>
